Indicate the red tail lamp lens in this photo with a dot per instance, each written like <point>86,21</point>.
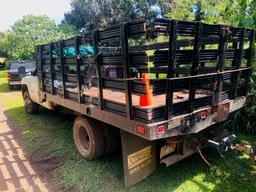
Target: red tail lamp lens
<point>160,130</point>
<point>140,130</point>
<point>9,76</point>
<point>203,115</point>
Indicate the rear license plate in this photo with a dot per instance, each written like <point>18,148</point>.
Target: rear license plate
<point>167,149</point>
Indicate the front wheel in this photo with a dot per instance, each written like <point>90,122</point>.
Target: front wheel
<point>30,106</point>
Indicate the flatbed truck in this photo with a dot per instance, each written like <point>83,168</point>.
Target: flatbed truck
<point>161,87</point>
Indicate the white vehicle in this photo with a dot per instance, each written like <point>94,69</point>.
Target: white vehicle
<point>30,93</point>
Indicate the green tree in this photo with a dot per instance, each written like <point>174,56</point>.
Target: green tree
<point>31,31</point>
<point>211,11</point>
<point>242,12</point>
<point>3,45</point>
<point>91,14</point>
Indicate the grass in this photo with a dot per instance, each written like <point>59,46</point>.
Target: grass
<point>50,134</point>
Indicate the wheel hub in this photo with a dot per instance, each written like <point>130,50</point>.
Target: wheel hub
<point>84,140</point>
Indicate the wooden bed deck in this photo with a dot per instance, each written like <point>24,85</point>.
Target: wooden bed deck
<point>158,100</point>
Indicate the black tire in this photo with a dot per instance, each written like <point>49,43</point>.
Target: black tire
<point>30,106</point>
<point>113,139</point>
<point>89,138</point>
<point>11,87</point>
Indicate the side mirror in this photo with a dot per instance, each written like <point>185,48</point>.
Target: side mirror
<point>34,73</point>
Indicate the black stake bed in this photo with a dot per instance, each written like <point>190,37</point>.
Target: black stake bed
<point>195,66</point>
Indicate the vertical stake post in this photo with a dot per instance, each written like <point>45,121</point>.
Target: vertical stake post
<point>222,49</point>
<point>239,60</point>
<point>41,67</point>
<point>171,66</point>
<point>98,71</point>
<point>126,70</point>
<point>195,66</point>
<point>51,68</point>
<point>78,70</point>
<point>62,64</point>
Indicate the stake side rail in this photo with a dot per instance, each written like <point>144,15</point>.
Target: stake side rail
<point>194,68</point>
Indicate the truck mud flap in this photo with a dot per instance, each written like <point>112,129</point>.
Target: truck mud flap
<point>139,158</point>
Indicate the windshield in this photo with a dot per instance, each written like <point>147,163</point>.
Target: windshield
<point>27,65</point>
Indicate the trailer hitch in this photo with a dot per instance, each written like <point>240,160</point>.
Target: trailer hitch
<point>227,143</point>
<point>224,145</point>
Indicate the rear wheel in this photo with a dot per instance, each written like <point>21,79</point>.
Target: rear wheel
<point>30,106</point>
<point>89,138</point>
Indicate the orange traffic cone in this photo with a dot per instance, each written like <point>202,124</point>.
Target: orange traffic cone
<point>146,100</point>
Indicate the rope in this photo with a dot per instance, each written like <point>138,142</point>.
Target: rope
<point>202,156</point>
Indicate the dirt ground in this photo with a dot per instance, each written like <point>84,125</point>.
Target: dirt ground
<point>17,171</point>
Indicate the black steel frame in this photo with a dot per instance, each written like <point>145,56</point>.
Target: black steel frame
<point>187,45</point>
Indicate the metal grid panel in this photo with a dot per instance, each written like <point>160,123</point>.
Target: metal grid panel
<point>185,59</point>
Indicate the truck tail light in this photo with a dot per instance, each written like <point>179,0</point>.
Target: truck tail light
<point>140,130</point>
<point>160,129</point>
<point>9,76</point>
<point>203,115</point>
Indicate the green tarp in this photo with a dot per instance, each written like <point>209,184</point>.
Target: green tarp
<point>85,50</point>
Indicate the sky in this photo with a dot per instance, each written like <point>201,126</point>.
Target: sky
<point>11,10</point>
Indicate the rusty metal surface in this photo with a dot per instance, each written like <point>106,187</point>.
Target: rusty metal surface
<point>192,144</point>
<point>173,127</point>
<point>168,161</point>
<point>158,100</point>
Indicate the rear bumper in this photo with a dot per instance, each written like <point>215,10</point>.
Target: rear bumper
<point>193,123</point>
<point>14,82</point>
<point>187,124</point>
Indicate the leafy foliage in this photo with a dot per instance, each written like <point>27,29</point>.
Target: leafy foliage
<point>242,12</point>
<point>208,11</point>
<point>91,14</point>
<point>3,45</point>
<point>245,119</point>
<point>19,42</point>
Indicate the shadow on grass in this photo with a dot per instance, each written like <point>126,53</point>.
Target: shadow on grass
<point>50,134</point>
<point>11,137</point>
